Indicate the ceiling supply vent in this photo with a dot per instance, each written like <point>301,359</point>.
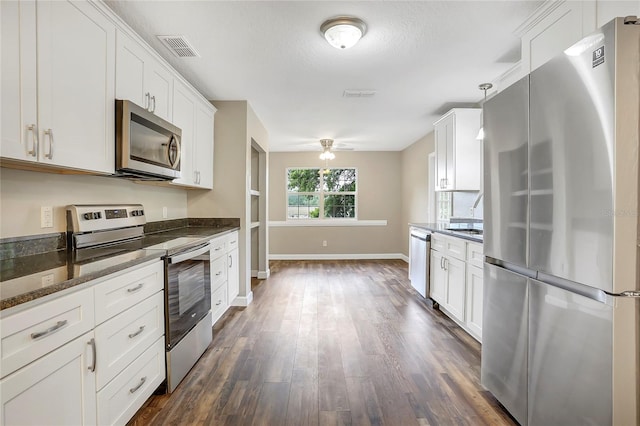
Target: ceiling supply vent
<point>349,93</point>
<point>179,46</point>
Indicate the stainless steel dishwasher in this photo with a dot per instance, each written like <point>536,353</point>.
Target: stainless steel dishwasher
<point>419,251</point>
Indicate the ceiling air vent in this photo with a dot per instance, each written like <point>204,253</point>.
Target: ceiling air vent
<point>179,46</point>
<point>359,93</point>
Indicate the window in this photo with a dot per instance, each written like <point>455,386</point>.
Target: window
<point>445,206</point>
<point>321,193</point>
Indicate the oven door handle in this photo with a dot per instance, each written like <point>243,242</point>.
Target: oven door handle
<point>189,254</point>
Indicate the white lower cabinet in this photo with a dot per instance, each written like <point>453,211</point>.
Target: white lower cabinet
<point>455,270</point>
<point>438,278</point>
<point>233,275</point>
<point>473,302</point>
<point>58,388</point>
<point>456,281</point>
<point>52,373</point>
<point>225,274</point>
<point>125,394</point>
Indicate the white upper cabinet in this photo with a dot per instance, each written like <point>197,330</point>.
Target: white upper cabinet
<point>195,117</point>
<point>458,152</point>
<point>203,160</point>
<point>58,69</point>
<point>142,79</point>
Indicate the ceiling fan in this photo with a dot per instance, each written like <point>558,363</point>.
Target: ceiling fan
<point>331,143</point>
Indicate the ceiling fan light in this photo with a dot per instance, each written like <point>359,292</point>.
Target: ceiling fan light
<point>343,32</point>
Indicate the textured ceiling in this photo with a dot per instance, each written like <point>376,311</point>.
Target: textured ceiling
<point>420,57</point>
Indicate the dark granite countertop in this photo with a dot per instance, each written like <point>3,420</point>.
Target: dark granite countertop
<point>441,228</point>
<point>26,276</point>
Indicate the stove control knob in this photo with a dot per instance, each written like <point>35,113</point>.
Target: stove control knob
<point>88,216</point>
<point>96,215</point>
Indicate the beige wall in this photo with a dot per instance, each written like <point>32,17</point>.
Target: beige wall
<point>235,126</point>
<point>22,193</point>
<point>379,197</point>
<point>415,161</point>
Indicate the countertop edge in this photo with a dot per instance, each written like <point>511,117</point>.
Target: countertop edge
<point>24,301</point>
<point>34,298</point>
<point>435,229</point>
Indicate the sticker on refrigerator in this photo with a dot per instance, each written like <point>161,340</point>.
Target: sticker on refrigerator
<point>598,57</point>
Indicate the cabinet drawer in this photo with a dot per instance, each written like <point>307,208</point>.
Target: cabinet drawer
<point>34,332</point>
<point>219,303</point>
<point>218,247</point>
<point>218,272</point>
<point>437,242</point>
<point>123,291</point>
<point>456,248</point>
<point>475,255</point>
<point>123,338</point>
<point>232,241</point>
<point>121,398</point>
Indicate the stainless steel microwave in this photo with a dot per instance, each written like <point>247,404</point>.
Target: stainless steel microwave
<point>147,146</point>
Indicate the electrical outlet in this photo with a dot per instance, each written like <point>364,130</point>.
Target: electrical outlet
<point>47,280</point>
<point>46,217</point>
<point>324,243</point>
<point>165,213</point>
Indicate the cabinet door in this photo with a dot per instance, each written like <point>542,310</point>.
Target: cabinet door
<point>56,389</point>
<point>130,71</point>
<point>184,107</point>
<point>159,84</point>
<point>441,156</point>
<point>18,80</point>
<point>203,159</point>
<point>473,302</point>
<point>142,79</point>
<point>456,276</point>
<point>438,278</point>
<point>233,277</point>
<point>76,85</point>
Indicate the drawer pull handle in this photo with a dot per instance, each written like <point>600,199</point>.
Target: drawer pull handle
<point>139,385</point>
<point>136,288</point>
<point>49,330</point>
<point>92,342</point>
<point>218,248</point>
<point>219,302</point>
<point>218,273</point>
<point>230,261</point>
<point>132,335</point>
<point>233,242</point>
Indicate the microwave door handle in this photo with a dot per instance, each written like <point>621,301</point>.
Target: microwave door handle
<point>189,254</point>
<point>170,147</point>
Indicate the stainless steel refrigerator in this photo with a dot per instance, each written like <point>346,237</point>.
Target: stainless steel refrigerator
<point>561,289</point>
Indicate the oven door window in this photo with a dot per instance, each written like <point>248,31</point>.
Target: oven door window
<point>189,296</point>
<point>191,287</point>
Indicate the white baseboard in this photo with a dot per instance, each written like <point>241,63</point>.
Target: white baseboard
<point>404,257</point>
<point>263,275</point>
<point>243,300</point>
<point>338,256</point>
<point>254,273</point>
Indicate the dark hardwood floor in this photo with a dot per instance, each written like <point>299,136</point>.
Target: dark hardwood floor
<point>332,343</point>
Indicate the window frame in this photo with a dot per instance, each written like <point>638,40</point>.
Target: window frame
<point>321,196</point>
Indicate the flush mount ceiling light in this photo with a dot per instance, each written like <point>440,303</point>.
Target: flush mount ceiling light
<point>343,32</point>
<point>326,149</point>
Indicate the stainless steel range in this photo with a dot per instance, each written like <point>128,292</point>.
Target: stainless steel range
<point>98,232</point>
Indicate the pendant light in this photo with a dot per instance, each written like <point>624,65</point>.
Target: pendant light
<point>326,149</point>
<point>343,32</point>
<point>484,87</point>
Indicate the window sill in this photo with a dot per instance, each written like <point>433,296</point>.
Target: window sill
<point>326,223</point>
